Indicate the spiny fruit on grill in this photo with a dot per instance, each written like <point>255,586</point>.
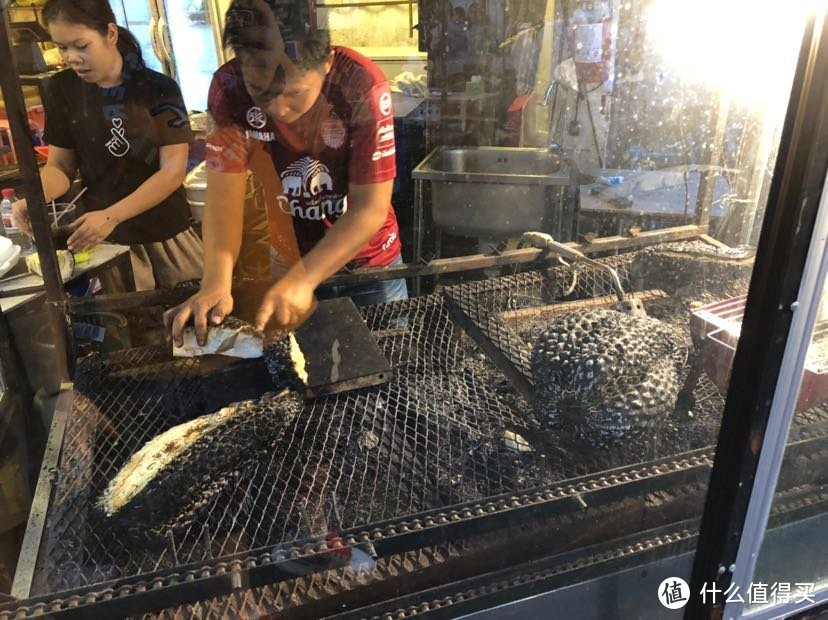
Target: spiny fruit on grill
<point>609,374</point>
<point>174,480</point>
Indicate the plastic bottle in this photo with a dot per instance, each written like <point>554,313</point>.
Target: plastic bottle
<point>6,210</point>
<point>17,236</point>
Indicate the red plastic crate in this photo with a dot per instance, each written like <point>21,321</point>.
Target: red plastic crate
<point>718,326</point>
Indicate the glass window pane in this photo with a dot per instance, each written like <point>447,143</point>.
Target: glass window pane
<point>793,558</point>
<point>498,407</point>
<point>136,16</point>
<point>193,48</point>
<point>192,57</point>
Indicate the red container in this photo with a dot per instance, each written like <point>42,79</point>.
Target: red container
<point>718,326</point>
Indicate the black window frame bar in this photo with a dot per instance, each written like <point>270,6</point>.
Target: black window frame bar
<point>785,239</point>
<point>783,409</point>
<point>26,160</point>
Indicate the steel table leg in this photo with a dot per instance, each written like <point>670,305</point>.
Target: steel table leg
<point>418,232</point>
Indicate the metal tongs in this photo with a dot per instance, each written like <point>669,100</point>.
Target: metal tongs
<point>544,241</point>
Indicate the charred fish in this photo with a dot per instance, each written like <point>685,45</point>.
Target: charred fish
<point>232,337</point>
<point>172,482</point>
<point>236,338</point>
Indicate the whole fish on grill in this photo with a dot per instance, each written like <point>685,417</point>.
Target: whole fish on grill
<point>610,374</point>
<point>174,480</point>
<point>694,269</point>
<point>236,338</point>
<point>232,337</point>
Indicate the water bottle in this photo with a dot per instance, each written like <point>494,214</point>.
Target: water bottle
<point>6,210</point>
<point>17,236</point>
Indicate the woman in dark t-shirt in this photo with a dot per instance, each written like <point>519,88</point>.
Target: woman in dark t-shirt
<point>124,127</point>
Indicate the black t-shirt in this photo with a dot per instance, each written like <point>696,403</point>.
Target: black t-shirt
<point>116,134</point>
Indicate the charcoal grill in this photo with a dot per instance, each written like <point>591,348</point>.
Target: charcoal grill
<point>414,475</point>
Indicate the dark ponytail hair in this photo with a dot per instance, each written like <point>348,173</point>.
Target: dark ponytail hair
<point>97,15</point>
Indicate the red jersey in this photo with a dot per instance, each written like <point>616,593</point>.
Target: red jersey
<point>346,137</point>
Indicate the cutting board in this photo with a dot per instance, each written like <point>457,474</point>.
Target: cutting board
<point>340,351</point>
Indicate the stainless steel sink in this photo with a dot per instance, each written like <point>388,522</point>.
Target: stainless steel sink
<point>490,164</point>
<point>490,191</point>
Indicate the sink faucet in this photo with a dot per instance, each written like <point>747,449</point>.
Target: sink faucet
<point>549,90</point>
<point>547,99</point>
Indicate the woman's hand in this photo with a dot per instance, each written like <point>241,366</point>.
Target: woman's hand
<point>208,305</point>
<point>20,216</point>
<point>288,303</point>
<point>91,229</point>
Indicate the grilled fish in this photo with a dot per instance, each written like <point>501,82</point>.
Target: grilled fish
<point>232,337</point>
<point>236,338</point>
<point>173,481</point>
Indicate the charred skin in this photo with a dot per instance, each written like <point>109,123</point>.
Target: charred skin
<point>286,364</point>
<point>172,483</point>
<point>694,269</point>
<point>610,375</point>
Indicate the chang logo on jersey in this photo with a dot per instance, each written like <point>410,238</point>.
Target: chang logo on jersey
<point>256,118</point>
<point>308,191</point>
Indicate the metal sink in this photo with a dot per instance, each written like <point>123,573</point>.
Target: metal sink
<point>490,164</point>
<point>490,191</point>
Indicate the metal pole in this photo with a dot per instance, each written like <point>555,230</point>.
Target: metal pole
<point>26,162</point>
<point>418,231</point>
<point>707,181</point>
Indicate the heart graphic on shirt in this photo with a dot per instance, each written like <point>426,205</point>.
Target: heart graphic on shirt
<point>118,145</point>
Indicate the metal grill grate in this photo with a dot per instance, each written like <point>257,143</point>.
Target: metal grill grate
<point>426,440</point>
<point>431,438</point>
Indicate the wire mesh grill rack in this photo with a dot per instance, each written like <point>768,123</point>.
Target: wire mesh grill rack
<point>428,439</point>
<point>434,437</point>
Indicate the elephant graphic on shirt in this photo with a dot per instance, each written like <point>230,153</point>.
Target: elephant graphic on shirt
<point>292,183</point>
<point>308,176</point>
<point>321,180</point>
